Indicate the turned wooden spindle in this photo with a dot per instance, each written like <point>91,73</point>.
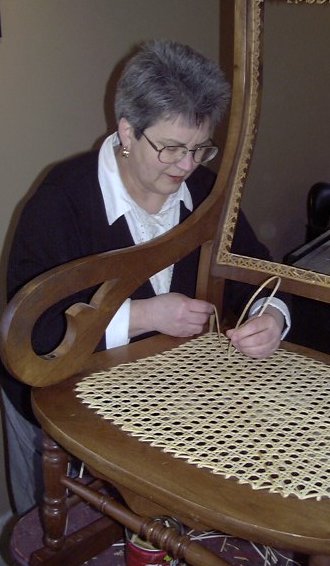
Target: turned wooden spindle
<point>165,538</point>
<point>54,509</point>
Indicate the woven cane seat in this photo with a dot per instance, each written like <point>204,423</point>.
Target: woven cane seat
<point>264,422</point>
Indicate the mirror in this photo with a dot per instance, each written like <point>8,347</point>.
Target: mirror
<point>291,113</point>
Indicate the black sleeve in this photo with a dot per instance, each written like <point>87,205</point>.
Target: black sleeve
<point>42,241</point>
<point>53,224</point>
<point>48,234</point>
<point>64,220</point>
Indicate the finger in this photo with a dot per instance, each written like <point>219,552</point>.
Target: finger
<point>244,331</point>
<point>259,345</point>
<point>259,352</point>
<point>197,318</point>
<point>197,305</point>
<point>255,326</point>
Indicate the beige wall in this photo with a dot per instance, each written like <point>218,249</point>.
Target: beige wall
<point>56,57</point>
<point>292,149</point>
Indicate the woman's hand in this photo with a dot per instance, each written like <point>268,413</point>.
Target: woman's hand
<point>259,337</point>
<point>171,313</point>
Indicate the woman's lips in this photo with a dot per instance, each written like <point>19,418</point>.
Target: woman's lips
<point>176,179</point>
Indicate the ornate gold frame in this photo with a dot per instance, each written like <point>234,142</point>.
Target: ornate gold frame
<point>316,284</point>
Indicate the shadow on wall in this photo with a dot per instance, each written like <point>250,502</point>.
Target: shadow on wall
<point>111,126</point>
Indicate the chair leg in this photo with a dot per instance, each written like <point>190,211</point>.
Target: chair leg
<point>94,538</point>
<point>81,545</point>
<point>54,508</point>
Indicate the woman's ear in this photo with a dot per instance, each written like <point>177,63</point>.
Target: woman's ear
<point>126,133</point>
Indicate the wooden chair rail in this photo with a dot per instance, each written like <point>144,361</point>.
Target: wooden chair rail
<point>81,545</point>
<point>166,538</point>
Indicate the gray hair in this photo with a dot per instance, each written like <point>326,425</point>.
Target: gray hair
<point>165,79</point>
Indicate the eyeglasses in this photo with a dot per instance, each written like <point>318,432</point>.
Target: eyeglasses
<point>174,153</point>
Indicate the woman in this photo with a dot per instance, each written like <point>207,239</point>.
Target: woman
<point>146,178</point>
<point>182,97</point>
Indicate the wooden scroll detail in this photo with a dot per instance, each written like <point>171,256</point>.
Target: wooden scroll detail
<point>117,273</point>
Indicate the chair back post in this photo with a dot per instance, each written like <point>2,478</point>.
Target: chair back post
<point>211,286</point>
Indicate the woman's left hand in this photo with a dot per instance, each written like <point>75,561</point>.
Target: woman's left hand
<point>259,337</point>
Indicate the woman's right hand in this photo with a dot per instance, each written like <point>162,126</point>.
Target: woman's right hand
<point>171,313</point>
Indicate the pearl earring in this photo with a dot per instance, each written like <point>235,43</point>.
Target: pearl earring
<point>125,152</point>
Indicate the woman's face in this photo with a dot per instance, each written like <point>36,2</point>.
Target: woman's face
<point>148,180</point>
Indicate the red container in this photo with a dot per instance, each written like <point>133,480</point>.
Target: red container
<point>139,553</point>
<point>137,556</point>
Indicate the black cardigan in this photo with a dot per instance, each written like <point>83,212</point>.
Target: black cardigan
<point>64,220</point>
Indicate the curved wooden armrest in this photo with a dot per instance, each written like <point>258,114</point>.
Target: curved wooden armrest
<point>117,273</point>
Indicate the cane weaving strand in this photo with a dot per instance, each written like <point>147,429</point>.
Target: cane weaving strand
<point>263,422</point>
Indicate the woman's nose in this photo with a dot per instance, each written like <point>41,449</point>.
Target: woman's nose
<point>186,162</point>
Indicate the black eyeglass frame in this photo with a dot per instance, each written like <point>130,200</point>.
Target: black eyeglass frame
<point>193,151</point>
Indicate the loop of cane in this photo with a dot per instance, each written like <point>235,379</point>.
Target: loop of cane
<point>214,319</point>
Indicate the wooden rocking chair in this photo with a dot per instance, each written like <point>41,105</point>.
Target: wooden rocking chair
<point>173,460</point>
